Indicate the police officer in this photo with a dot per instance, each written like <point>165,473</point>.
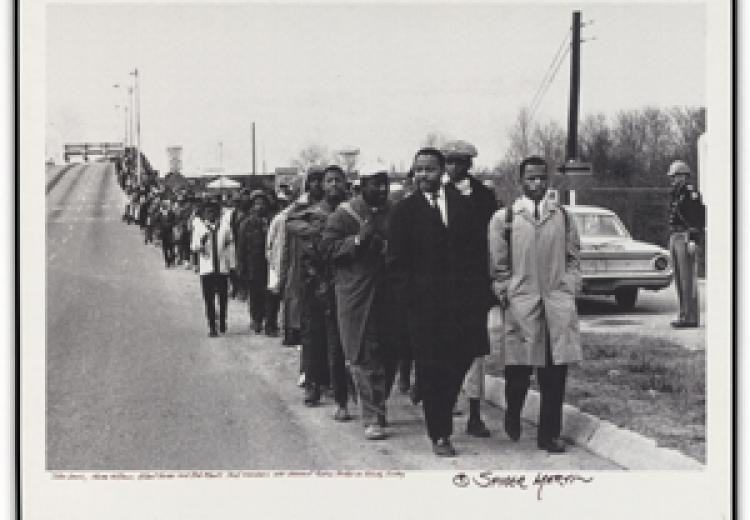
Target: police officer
<point>686,222</point>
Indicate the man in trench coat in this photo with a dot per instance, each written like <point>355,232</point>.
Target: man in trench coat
<point>443,285</point>
<point>536,276</point>
<point>354,238</point>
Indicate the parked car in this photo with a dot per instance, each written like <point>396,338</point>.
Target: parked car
<point>612,262</point>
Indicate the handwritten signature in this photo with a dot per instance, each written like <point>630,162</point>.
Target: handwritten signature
<point>488,479</point>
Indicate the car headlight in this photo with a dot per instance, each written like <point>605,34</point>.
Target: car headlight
<point>661,263</point>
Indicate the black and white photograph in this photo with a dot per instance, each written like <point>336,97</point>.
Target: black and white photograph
<point>418,248</point>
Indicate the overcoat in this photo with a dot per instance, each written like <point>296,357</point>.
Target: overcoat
<point>440,277</point>
<point>290,272</point>
<point>252,264</point>
<point>540,284</point>
<point>359,276</point>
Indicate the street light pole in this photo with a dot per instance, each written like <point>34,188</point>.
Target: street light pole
<point>137,124</point>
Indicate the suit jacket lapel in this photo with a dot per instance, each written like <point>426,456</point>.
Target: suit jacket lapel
<point>427,210</point>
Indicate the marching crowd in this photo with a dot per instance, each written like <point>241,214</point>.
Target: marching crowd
<point>384,289</point>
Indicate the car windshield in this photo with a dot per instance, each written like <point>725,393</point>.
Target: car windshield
<point>601,225</point>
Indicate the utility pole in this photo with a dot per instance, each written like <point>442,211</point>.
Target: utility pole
<point>253,147</point>
<point>575,87</point>
<point>571,151</point>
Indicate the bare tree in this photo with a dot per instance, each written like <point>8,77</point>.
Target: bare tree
<point>689,124</point>
<point>595,141</point>
<point>311,155</point>
<point>548,140</point>
<point>519,137</point>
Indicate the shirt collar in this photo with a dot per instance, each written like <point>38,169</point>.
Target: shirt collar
<point>464,186</point>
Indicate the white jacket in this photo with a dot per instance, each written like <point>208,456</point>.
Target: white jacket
<point>201,243</point>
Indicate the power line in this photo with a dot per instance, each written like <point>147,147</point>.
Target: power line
<point>548,84</point>
<point>553,65</point>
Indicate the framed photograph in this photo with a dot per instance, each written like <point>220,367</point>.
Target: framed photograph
<point>259,285</point>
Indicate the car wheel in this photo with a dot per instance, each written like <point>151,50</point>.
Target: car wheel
<point>626,297</point>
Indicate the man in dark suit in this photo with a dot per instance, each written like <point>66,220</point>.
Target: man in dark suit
<point>458,163</point>
<point>442,282</point>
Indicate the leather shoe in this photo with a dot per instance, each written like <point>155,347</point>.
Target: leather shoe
<point>513,426</point>
<point>477,428</point>
<point>342,414</point>
<point>212,333</point>
<point>555,445</point>
<point>375,433</point>
<point>443,448</point>
<point>679,324</point>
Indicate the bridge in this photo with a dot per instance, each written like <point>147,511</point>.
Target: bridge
<point>96,149</point>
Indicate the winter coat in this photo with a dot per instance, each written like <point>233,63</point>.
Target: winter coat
<point>440,277</point>
<point>252,264</point>
<point>541,285</point>
<point>359,277</point>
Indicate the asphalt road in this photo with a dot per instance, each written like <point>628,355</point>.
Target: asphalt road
<point>134,383</point>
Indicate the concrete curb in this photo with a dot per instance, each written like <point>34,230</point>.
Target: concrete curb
<point>624,447</point>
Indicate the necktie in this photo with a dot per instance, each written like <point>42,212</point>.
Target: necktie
<point>435,207</point>
<point>215,249</point>
<point>536,210</point>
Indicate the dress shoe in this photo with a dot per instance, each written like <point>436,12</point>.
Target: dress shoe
<point>375,433</point>
<point>443,448</point>
<point>477,428</point>
<point>679,324</point>
<point>513,426</point>
<point>257,327</point>
<point>312,395</point>
<point>342,414</point>
<point>222,327</point>
<point>555,445</point>
<point>212,333</point>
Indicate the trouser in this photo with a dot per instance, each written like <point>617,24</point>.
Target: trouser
<point>273,303</point>
<point>474,380</point>
<point>148,236</point>
<point>262,304</point>
<point>213,285</point>
<point>684,258</point>
<point>183,247</point>
<point>551,379</point>
<point>405,362</point>
<point>439,385</point>
<point>313,333</point>
<point>373,372</point>
<point>336,363</point>
<point>167,246</point>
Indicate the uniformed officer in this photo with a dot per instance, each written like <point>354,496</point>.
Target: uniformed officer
<point>459,156</point>
<point>686,222</point>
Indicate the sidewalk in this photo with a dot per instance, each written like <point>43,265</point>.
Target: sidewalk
<point>622,446</point>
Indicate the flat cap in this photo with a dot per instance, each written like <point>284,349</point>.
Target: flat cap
<point>678,167</point>
<point>459,149</point>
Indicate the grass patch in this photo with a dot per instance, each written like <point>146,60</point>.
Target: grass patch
<point>648,385</point>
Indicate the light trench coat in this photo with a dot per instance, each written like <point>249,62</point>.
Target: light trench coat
<point>540,286</point>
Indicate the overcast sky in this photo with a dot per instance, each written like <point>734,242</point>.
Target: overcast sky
<point>378,77</point>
